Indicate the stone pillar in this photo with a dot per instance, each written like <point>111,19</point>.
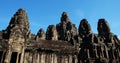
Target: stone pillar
<point>26,57</point>
<point>88,53</point>
<point>106,52</point>
<point>96,55</point>
<point>22,56</point>
<point>38,58</point>
<point>55,58</point>
<point>7,57</point>
<point>17,57</point>
<point>42,58</point>
<point>101,54</point>
<point>113,54</point>
<point>70,59</point>
<point>58,59</point>
<point>31,57</point>
<point>76,61</point>
<point>51,56</point>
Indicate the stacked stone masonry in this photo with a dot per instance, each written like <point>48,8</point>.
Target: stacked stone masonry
<point>62,43</point>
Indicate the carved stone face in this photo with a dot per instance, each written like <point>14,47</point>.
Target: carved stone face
<point>103,27</point>
<point>51,33</point>
<point>84,27</point>
<point>16,35</point>
<point>64,17</point>
<point>64,14</point>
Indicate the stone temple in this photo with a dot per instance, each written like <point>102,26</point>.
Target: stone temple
<point>61,43</point>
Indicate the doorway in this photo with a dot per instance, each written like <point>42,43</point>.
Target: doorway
<point>13,57</point>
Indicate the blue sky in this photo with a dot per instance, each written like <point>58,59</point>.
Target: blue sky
<point>42,13</point>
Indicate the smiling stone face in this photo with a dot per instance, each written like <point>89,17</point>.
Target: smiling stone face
<point>84,27</point>
<point>103,27</point>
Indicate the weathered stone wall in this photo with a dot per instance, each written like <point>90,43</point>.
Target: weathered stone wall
<point>48,57</point>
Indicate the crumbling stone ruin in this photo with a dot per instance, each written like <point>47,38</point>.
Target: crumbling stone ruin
<point>63,43</point>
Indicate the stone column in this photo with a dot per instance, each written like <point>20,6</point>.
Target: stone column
<point>88,53</point>
<point>106,52</point>
<point>7,57</point>
<point>76,61</point>
<point>22,56</point>
<point>113,53</point>
<point>70,59</point>
<point>17,57</point>
<point>43,58</point>
<point>96,55</point>
<point>55,58</point>
<point>38,61</point>
<point>103,53</point>
<point>51,56</point>
<point>67,59</point>
<point>40,57</point>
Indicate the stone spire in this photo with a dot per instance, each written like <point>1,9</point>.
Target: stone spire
<point>64,17</point>
<point>40,34</point>
<point>19,19</point>
<point>66,29</point>
<point>51,33</point>
<point>18,22</point>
